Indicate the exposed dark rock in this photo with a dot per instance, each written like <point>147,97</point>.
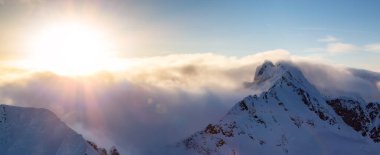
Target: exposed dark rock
<point>261,142</point>
<point>220,143</point>
<point>225,129</point>
<point>243,106</point>
<point>375,134</point>
<point>213,129</point>
<point>311,123</point>
<point>373,109</point>
<point>297,121</point>
<point>351,113</point>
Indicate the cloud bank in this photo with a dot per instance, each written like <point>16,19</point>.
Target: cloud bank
<point>159,100</point>
<point>337,80</point>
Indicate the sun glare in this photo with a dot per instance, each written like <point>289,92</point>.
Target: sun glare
<point>69,48</point>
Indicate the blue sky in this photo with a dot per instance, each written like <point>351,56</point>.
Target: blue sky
<point>233,28</point>
<point>240,27</point>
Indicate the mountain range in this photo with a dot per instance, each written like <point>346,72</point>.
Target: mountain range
<point>290,116</point>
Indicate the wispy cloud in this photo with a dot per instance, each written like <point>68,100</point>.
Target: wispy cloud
<point>328,38</point>
<point>338,47</point>
<point>334,45</point>
<point>372,47</point>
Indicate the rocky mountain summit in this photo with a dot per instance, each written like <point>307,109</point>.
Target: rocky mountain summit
<point>290,116</point>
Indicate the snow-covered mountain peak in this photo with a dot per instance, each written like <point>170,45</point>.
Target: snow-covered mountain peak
<point>37,131</point>
<point>264,71</point>
<point>269,75</point>
<point>290,116</point>
<point>272,72</point>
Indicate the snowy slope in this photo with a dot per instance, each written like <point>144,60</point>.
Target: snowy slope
<point>32,131</point>
<point>290,117</point>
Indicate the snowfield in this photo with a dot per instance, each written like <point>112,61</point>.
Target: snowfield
<point>32,131</point>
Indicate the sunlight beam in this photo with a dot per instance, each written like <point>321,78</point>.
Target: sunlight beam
<point>69,48</point>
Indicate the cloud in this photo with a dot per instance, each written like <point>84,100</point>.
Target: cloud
<point>199,71</point>
<point>145,108</point>
<point>337,80</point>
<point>338,47</point>
<point>328,38</point>
<point>334,45</point>
<point>121,112</point>
<point>159,100</point>
<point>372,47</point>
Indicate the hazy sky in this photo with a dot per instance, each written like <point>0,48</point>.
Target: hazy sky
<point>184,63</point>
<point>344,31</point>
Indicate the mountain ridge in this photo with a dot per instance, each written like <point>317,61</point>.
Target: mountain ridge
<point>290,112</point>
<point>38,131</point>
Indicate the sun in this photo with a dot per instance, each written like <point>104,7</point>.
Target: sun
<point>69,48</point>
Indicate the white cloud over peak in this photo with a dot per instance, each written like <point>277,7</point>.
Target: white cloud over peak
<point>199,71</point>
